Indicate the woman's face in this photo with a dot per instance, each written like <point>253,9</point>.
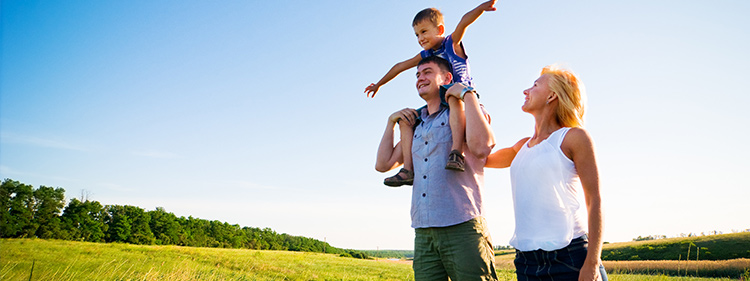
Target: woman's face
<point>537,95</point>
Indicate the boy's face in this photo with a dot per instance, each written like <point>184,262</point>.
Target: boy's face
<point>429,36</point>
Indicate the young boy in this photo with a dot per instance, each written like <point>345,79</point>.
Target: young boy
<point>430,31</point>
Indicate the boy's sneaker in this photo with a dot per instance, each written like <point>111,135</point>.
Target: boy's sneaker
<point>455,161</point>
<point>397,180</point>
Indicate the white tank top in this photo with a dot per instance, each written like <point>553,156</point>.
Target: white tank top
<point>547,196</point>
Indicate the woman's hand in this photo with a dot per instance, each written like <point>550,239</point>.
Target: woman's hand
<point>589,271</point>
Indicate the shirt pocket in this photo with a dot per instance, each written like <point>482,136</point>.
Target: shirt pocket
<point>440,133</point>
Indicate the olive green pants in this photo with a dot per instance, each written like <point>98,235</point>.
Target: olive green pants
<point>461,252</point>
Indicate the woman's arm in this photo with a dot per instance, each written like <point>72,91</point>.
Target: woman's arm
<point>579,147</point>
<point>503,157</point>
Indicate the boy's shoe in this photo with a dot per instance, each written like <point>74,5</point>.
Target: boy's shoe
<point>455,161</point>
<point>397,180</point>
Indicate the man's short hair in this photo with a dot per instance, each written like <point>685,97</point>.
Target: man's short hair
<point>442,63</point>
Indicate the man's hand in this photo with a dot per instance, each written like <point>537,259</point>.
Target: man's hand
<point>408,115</point>
<point>372,90</point>
<point>455,91</point>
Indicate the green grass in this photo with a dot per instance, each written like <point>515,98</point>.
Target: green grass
<point>712,247</point>
<point>67,260</point>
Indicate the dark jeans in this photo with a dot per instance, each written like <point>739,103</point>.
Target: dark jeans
<point>563,264</point>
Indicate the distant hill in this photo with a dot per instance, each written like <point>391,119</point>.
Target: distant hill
<point>711,247</point>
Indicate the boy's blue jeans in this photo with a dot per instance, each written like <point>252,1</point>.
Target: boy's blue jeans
<point>563,264</point>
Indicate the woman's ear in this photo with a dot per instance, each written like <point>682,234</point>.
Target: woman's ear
<point>552,96</point>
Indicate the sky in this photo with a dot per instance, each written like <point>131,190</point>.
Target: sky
<point>254,112</point>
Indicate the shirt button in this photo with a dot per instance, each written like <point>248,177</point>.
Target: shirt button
<point>442,124</point>
<point>425,143</point>
<point>425,159</point>
<point>424,177</point>
<point>424,194</point>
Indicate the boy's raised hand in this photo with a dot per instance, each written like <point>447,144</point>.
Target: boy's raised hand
<point>488,6</point>
<point>466,20</point>
<point>372,90</point>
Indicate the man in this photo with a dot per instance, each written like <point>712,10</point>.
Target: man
<point>451,236</point>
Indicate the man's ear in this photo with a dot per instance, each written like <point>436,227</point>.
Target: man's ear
<point>449,76</point>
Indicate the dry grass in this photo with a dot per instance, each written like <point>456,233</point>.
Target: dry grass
<point>729,268</point>
<point>659,270</point>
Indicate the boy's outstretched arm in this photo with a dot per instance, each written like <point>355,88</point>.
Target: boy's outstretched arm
<point>468,19</point>
<point>395,71</point>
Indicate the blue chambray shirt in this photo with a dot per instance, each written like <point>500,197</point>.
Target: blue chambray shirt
<point>442,197</point>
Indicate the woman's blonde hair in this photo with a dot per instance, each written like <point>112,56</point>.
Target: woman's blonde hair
<point>571,95</point>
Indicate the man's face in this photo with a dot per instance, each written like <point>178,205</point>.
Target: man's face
<point>429,79</point>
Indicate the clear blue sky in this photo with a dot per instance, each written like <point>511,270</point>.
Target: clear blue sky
<point>253,112</point>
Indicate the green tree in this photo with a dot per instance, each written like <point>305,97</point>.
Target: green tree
<point>48,202</point>
<point>17,203</point>
<point>139,227</point>
<point>165,227</point>
<point>84,221</point>
<point>118,224</point>
<point>196,232</point>
<point>26,212</point>
<point>253,239</point>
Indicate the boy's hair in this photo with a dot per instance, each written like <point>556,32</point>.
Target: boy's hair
<point>432,14</point>
<point>571,95</point>
<point>442,63</point>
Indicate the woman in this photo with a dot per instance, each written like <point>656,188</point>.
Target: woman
<point>553,239</point>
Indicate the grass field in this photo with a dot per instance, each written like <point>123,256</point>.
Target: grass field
<point>710,247</point>
<point>66,260</point>
<point>735,267</point>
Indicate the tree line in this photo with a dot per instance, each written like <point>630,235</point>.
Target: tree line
<point>26,212</point>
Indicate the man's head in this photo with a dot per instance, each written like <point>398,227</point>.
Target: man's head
<point>429,28</point>
<point>432,72</point>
